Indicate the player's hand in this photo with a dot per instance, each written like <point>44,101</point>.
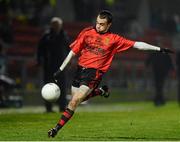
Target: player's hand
<point>52,133</point>
<point>57,75</point>
<point>166,50</point>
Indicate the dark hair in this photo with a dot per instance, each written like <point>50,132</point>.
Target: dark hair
<point>106,14</point>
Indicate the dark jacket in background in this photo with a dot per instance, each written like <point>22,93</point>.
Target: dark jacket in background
<point>161,66</point>
<point>51,52</point>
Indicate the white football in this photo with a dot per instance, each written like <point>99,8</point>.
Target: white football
<point>50,92</point>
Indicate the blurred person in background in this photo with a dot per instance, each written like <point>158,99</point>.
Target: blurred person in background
<point>6,41</point>
<point>52,49</point>
<point>2,72</point>
<point>95,46</point>
<point>176,46</point>
<point>161,66</point>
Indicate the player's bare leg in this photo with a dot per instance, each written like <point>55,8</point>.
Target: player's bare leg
<point>77,98</point>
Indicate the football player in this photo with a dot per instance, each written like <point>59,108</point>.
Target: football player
<point>95,47</point>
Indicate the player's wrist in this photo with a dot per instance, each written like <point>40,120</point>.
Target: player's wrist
<point>61,69</point>
<point>57,74</point>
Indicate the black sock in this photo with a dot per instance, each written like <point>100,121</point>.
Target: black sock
<point>67,114</point>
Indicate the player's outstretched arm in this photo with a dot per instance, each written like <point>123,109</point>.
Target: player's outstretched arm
<point>67,60</point>
<point>64,64</point>
<point>146,46</point>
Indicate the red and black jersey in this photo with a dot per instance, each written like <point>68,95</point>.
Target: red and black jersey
<point>97,50</point>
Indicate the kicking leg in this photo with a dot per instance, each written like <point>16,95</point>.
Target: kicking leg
<point>102,91</point>
<point>76,99</point>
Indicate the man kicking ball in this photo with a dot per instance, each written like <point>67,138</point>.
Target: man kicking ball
<point>95,47</point>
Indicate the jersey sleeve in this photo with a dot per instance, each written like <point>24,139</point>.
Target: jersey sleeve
<point>77,45</point>
<point>123,44</point>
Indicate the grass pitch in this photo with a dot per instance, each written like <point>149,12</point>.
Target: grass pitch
<point>123,121</point>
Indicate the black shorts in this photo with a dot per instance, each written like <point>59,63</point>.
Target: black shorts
<point>87,76</point>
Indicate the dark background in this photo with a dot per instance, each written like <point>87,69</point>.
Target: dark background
<point>22,22</point>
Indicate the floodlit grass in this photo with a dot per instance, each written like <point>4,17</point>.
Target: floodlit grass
<point>125,121</point>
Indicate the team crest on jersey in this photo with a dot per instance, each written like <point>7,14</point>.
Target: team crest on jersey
<point>106,41</point>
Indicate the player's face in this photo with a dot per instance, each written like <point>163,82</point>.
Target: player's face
<point>102,25</point>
